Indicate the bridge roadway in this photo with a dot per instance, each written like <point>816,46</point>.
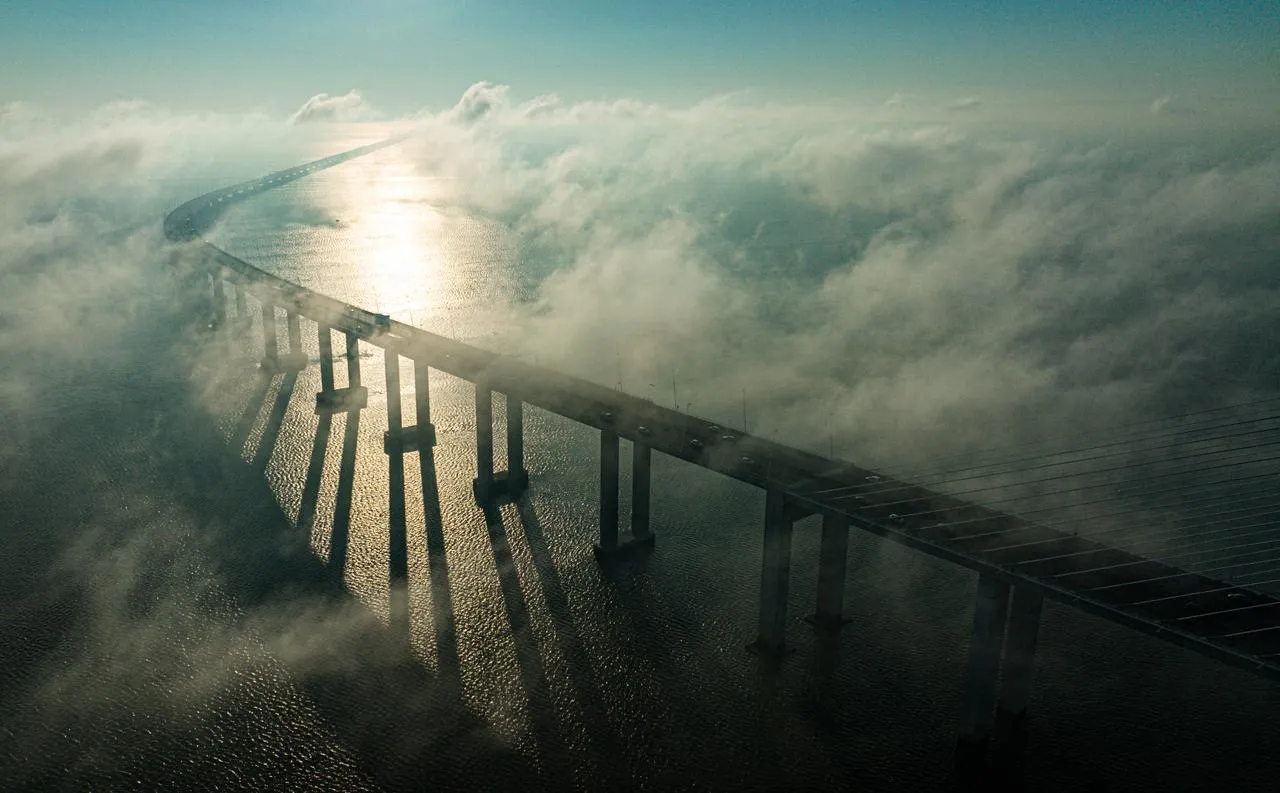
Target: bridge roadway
<point>1231,623</point>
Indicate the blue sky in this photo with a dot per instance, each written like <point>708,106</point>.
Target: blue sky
<point>238,55</point>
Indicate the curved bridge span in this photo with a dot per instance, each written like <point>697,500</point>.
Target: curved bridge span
<point>1019,562</point>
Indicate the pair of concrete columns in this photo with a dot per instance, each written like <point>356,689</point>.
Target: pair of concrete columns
<point>610,458</point>
<point>272,360</point>
<point>780,514</point>
<point>1006,624</point>
<point>489,485</point>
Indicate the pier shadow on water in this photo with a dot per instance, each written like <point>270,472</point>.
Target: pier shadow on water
<point>626,675</point>
<point>405,725</point>
<point>636,694</point>
<point>162,612</point>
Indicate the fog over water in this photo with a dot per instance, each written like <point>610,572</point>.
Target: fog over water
<point>196,575</point>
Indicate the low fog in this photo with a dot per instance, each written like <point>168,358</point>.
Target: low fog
<point>890,289</point>
<point>913,289</point>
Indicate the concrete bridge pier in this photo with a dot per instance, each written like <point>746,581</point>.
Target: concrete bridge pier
<point>424,431</point>
<point>219,301</point>
<point>296,359</point>
<point>641,459</point>
<point>832,563</point>
<point>399,439</point>
<point>395,410</point>
<point>272,361</point>
<point>515,438</point>
<point>482,485</point>
<point>270,341</point>
<point>514,480</point>
<point>492,486</point>
<point>294,324</point>
<point>331,400</point>
<point>611,546</point>
<point>1019,655</point>
<point>324,340</point>
<point>982,674</point>
<point>242,308</point>
<point>608,494</point>
<point>353,360</point>
<point>775,576</point>
<point>397,551</point>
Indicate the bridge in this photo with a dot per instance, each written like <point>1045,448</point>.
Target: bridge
<point>1177,589</point>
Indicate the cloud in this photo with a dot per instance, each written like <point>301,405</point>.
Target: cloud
<point>129,624</point>
<point>18,112</point>
<point>1171,105</point>
<point>966,104</point>
<point>480,100</point>
<point>542,105</point>
<point>908,291</point>
<point>325,108</point>
<point>915,286</point>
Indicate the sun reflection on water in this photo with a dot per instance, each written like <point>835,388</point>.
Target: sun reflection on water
<point>407,251</point>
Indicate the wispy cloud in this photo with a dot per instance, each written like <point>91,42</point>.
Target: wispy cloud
<point>965,104</point>
<point>480,100</point>
<point>1172,105</point>
<point>325,108</point>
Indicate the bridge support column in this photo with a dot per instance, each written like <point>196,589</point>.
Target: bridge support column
<point>1019,654</point>
<point>608,493</point>
<point>400,439</point>
<point>482,485</point>
<point>295,360</point>
<point>397,534</point>
<point>611,547</point>
<point>219,302</point>
<point>272,360</point>
<point>324,338</point>
<point>832,562</point>
<point>242,309</point>
<point>425,431</point>
<point>515,480</point>
<point>977,718</point>
<point>395,411</point>
<point>641,457</point>
<point>270,342</point>
<point>295,332</point>
<point>340,400</point>
<point>353,360</point>
<point>775,576</point>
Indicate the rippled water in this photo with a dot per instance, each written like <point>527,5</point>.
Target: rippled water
<point>526,662</point>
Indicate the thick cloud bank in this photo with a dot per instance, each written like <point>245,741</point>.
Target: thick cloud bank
<point>905,287</point>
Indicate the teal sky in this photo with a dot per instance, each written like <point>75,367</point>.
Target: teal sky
<point>239,55</point>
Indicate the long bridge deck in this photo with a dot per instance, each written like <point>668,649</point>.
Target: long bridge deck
<point>1235,624</point>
